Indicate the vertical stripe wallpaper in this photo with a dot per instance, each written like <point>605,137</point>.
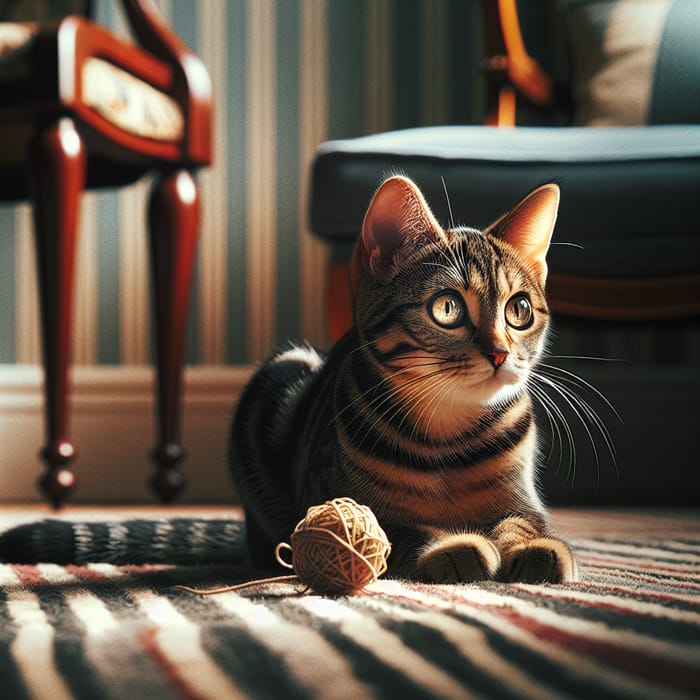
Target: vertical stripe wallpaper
<point>212,38</point>
<point>313,128</point>
<point>287,74</point>
<point>261,171</point>
<point>26,296</point>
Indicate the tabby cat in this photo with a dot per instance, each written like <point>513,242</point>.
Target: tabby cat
<point>421,411</point>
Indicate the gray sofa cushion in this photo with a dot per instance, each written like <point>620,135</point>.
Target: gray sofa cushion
<point>630,195</point>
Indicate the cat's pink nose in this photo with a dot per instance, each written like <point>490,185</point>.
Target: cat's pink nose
<point>497,357</point>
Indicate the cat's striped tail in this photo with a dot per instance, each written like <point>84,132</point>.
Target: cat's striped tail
<point>185,541</point>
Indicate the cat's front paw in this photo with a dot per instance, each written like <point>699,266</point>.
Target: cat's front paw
<point>459,558</point>
<point>540,560</point>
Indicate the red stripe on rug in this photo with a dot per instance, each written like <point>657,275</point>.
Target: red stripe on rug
<point>85,573</point>
<point>656,581</point>
<point>122,574</point>
<point>588,603</point>
<point>632,593</point>
<point>582,602</point>
<point>636,662</point>
<point>629,564</point>
<point>141,568</point>
<point>28,574</point>
<point>149,641</point>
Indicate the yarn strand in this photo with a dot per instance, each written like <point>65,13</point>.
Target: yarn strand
<point>239,586</point>
<point>338,548</point>
<point>256,582</point>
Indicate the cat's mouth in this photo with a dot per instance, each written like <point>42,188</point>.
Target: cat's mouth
<point>494,384</point>
<point>488,386</point>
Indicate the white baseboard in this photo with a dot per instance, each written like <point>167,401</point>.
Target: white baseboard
<point>112,425</point>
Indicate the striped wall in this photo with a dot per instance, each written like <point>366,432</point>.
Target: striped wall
<point>287,74</point>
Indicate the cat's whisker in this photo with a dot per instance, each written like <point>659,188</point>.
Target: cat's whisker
<point>570,441</point>
<point>569,244</point>
<point>570,400</point>
<point>414,397</point>
<point>586,357</point>
<point>557,417</point>
<point>435,397</point>
<point>583,411</point>
<point>449,204</point>
<point>593,416</point>
<point>554,429</point>
<point>386,395</point>
<point>577,380</point>
<point>413,391</point>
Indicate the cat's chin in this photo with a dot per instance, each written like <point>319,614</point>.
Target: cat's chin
<point>472,398</point>
<point>505,394</point>
<point>496,390</point>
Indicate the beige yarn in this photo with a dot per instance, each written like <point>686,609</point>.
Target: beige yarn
<point>338,548</point>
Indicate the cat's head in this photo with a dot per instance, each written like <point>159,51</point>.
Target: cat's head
<point>462,308</point>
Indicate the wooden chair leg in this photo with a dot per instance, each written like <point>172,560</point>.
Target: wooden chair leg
<point>57,180</point>
<point>173,223</point>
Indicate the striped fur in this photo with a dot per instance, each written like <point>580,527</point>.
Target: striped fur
<point>166,541</point>
<point>422,411</point>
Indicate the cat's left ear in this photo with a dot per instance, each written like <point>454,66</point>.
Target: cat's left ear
<point>528,227</point>
<point>397,214</point>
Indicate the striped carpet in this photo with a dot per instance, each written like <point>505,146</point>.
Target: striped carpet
<point>629,629</point>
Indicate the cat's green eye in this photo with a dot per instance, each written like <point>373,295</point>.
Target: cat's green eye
<point>447,309</point>
<point>519,313</point>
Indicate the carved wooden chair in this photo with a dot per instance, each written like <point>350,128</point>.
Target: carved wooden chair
<point>81,108</point>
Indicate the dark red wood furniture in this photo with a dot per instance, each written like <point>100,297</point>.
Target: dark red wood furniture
<point>57,140</point>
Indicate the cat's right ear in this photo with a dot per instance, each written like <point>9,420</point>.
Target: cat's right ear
<point>528,227</point>
<point>398,212</point>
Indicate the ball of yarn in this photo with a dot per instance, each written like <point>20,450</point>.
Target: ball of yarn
<point>339,547</point>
